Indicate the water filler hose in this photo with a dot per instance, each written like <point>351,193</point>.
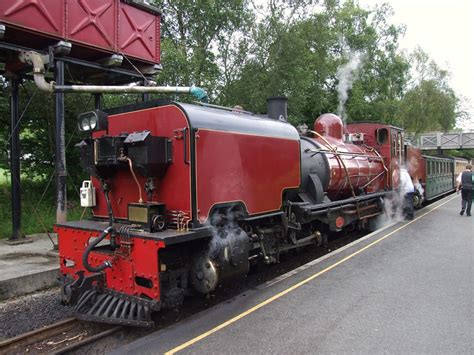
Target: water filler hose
<point>91,246</point>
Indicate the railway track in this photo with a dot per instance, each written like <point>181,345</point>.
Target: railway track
<point>57,338</point>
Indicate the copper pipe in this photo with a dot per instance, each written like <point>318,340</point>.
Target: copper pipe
<point>130,164</point>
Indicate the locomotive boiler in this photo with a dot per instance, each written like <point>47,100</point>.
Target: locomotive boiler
<point>187,197</point>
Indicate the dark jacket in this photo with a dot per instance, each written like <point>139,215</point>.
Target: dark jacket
<point>466,180</point>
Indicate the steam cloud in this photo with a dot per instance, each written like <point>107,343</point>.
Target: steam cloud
<point>225,235</point>
<point>347,74</point>
<point>393,205</point>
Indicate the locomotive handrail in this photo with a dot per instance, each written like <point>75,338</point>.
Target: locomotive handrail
<point>372,149</point>
<point>37,61</point>
<point>334,151</point>
<point>342,153</point>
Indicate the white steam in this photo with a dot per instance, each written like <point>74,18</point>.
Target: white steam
<point>393,210</point>
<point>346,75</point>
<point>393,205</point>
<point>225,235</point>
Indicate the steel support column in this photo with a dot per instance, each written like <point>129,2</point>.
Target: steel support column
<point>61,199</point>
<point>15,159</point>
<point>98,101</point>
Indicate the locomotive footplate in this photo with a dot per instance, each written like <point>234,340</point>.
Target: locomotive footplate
<point>169,236</point>
<point>338,214</point>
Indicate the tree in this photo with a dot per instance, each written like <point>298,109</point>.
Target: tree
<point>430,103</point>
<point>194,32</point>
<point>297,53</point>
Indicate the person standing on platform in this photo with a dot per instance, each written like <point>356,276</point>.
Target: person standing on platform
<point>407,189</point>
<point>464,183</point>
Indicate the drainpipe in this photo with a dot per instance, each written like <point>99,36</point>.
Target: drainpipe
<point>37,61</point>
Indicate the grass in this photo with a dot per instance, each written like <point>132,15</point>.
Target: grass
<point>36,216</point>
<point>4,177</point>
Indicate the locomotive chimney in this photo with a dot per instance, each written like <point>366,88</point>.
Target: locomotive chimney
<point>277,108</point>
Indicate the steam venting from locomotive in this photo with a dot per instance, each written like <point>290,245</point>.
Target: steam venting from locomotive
<point>347,74</point>
<point>226,256</point>
<point>393,204</point>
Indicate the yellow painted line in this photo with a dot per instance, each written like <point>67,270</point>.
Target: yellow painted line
<point>294,287</point>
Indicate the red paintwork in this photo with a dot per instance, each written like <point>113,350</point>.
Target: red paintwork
<point>138,33</point>
<point>329,125</point>
<point>93,26</point>
<point>175,188</point>
<point>46,16</point>
<point>238,167</point>
<point>92,23</point>
<point>141,261</point>
<point>391,151</point>
<point>362,169</point>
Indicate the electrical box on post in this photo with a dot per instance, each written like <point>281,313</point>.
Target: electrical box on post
<point>87,194</point>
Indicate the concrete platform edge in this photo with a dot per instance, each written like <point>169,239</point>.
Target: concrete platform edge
<point>23,285</point>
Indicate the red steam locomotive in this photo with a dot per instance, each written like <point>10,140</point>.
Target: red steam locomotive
<point>186,197</point>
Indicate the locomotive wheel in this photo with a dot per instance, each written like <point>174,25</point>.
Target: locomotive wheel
<point>204,274</point>
<point>416,200</point>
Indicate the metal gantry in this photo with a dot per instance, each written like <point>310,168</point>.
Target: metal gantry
<point>15,80</point>
<point>445,140</point>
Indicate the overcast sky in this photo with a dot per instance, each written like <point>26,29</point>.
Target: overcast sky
<point>445,30</point>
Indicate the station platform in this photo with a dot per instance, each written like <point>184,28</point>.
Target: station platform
<point>407,288</point>
<point>28,267</point>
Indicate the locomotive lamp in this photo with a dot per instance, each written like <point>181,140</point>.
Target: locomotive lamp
<point>92,121</point>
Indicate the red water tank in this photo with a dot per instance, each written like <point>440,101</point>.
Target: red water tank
<point>95,28</point>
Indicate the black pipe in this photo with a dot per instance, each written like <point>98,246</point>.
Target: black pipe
<point>98,101</point>
<point>109,205</point>
<point>91,246</point>
<point>15,160</point>
<point>106,189</point>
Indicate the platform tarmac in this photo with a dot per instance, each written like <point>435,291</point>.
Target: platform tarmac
<point>407,288</point>
<point>28,267</point>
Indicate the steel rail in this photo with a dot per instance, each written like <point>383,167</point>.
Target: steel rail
<point>79,344</point>
<point>37,335</point>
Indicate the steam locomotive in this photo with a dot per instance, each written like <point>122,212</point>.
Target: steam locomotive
<point>186,197</point>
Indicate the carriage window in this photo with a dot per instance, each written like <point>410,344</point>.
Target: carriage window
<point>382,135</point>
<point>429,168</point>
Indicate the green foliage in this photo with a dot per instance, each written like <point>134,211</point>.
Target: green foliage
<point>430,104</point>
<point>194,33</point>
<point>38,212</point>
